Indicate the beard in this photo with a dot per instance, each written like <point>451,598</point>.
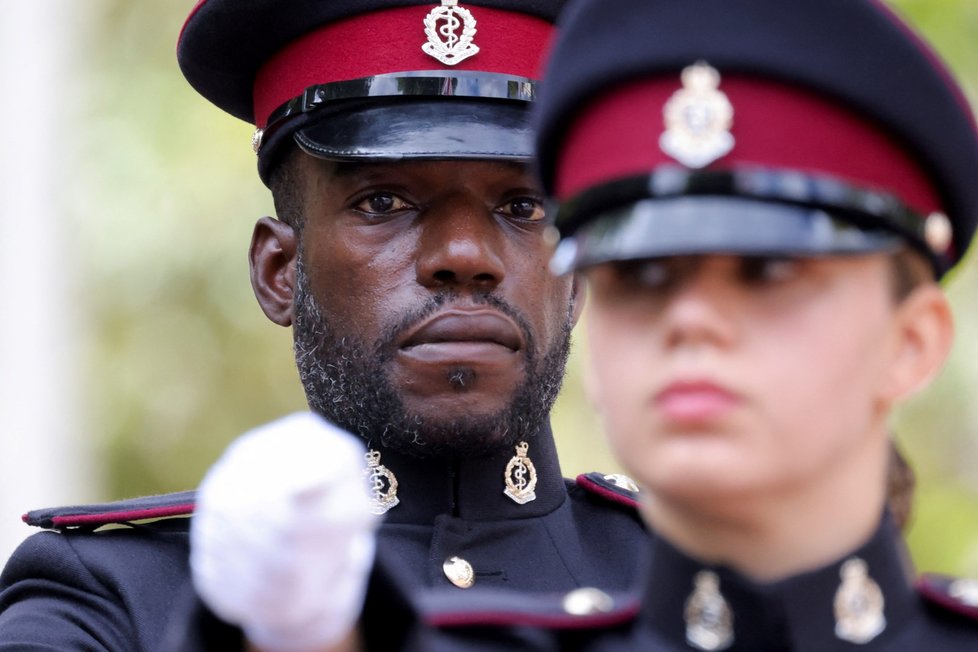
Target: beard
<point>345,382</point>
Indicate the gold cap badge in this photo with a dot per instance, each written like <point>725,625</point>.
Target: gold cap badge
<point>698,118</point>
<point>450,30</point>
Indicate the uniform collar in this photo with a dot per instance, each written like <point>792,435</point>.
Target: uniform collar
<point>472,488</point>
<point>792,614</point>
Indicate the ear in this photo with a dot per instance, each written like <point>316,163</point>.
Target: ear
<point>578,296</point>
<point>924,331</point>
<point>272,258</point>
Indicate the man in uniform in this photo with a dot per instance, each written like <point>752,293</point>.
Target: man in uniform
<point>763,196</point>
<point>409,255</point>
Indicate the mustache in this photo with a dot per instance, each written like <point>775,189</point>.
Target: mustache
<point>386,347</point>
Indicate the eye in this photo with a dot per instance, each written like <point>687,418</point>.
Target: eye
<point>765,270</point>
<point>647,274</point>
<point>382,203</point>
<point>529,209</point>
<point>659,274</point>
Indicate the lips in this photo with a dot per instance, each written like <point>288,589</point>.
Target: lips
<point>695,401</point>
<point>455,332</point>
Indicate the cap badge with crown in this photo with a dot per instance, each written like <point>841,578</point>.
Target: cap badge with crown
<point>450,30</point>
<point>698,118</point>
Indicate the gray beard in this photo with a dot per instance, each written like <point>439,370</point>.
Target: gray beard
<point>345,381</point>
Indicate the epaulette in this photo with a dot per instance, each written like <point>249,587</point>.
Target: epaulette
<point>583,608</point>
<point>614,487</point>
<point>121,511</point>
<point>953,594</point>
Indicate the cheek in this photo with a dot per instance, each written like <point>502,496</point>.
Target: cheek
<point>358,282</point>
<point>619,380</point>
<point>826,396</point>
<point>544,299</point>
<point>846,361</point>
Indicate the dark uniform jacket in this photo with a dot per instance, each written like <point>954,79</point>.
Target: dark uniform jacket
<point>125,588</point>
<point>893,612</point>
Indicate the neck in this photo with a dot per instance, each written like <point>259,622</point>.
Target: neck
<point>770,535</point>
<point>472,488</point>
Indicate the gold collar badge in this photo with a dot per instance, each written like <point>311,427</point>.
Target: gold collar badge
<point>382,485</point>
<point>698,118</point>
<point>709,619</point>
<point>858,604</point>
<point>450,30</point>
<point>521,476</point>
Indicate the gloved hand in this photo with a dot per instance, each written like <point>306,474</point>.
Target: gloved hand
<point>282,538</point>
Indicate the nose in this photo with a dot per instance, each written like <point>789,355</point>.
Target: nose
<point>703,310</point>
<point>461,244</point>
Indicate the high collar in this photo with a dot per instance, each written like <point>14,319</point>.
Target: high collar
<point>794,614</point>
<point>472,488</point>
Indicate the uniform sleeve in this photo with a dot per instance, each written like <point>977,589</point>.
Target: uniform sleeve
<point>194,628</point>
<point>50,600</point>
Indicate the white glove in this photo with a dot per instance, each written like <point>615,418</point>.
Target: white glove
<point>282,538</point>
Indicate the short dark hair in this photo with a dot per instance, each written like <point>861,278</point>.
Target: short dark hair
<point>909,270</point>
<point>286,185</point>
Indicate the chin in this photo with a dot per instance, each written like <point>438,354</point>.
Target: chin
<point>694,471</point>
<point>455,406</point>
<point>459,439</point>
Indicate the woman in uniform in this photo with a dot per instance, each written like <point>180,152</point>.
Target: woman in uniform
<point>762,196</point>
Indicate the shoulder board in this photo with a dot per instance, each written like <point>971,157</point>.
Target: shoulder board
<point>614,487</point>
<point>584,608</point>
<point>121,511</point>
<point>953,594</point>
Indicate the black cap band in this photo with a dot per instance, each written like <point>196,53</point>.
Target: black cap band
<point>434,83</point>
<point>747,211</point>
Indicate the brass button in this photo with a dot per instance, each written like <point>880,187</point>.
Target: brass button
<point>459,572</point>
<point>965,591</point>
<point>938,232</point>
<point>587,601</point>
<point>622,481</point>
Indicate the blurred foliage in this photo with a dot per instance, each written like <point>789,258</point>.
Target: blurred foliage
<point>181,359</point>
<point>938,429</point>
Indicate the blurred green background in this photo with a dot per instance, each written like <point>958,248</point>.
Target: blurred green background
<point>162,197</point>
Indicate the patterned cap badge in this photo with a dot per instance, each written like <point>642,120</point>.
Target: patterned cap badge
<point>450,30</point>
<point>698,118</point>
